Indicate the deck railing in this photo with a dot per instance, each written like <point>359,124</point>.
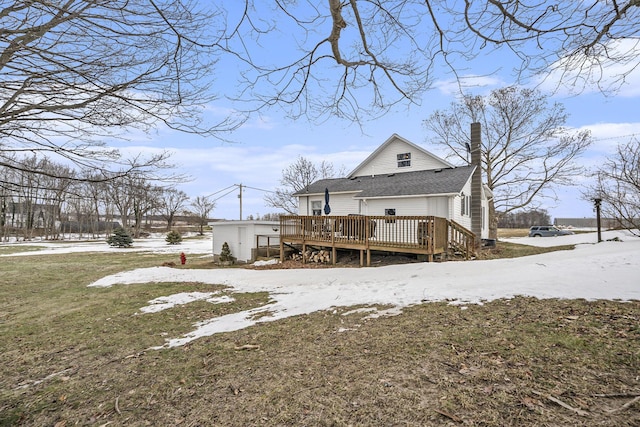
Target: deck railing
<point>461,239</point>
<point>415,234</point>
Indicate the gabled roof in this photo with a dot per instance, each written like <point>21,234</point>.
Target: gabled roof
<point>427,182</point>
<point>390,141</point>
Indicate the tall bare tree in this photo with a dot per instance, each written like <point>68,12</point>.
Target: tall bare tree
<point>73,72</point>
<point>172,200</point>
<point>295,178</point>
<point>202,207</point>
<point>618,186</point>
<point>349,57</point>
<point>526,150</point>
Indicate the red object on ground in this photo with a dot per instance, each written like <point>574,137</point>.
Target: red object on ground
<point>183,258</point>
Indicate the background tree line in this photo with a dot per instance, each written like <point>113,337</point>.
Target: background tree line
<point>50,199</point>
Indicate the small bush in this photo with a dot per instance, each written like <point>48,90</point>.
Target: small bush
<point>120,238</point>
<point>225,253</point>
<point>173,237</point>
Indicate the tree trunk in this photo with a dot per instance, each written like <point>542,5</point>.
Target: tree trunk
<point>493,221</point>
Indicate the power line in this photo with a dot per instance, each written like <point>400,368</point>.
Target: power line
<point>616,137</point>
<point>259,189</point>
<point>220,191</point>
<point>225,194</point>
<point>232,188</point>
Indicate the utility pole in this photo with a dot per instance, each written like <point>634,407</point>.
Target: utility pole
<point>240,197</point>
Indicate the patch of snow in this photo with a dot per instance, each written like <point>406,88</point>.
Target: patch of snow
<point>155,244</point>
<point>394,311</point>
<point>360,310</point>
<point>571,239</point>
<point>166,302</point>
<point>267,262</point>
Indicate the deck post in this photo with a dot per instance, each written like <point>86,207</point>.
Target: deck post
<point>333,255</point>
<point>367,234</point>
<point>281,250</point>
<point>361,257</point>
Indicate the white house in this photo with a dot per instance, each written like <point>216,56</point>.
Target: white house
<point>401,178</point>
<point>243,237</point>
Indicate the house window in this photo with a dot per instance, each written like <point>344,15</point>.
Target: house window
<point>316,208</point>
<point>404,160</point>
<point>390,212</point>
<point>465,205</point>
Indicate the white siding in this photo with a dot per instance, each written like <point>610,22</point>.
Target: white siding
<point>408,206</point>
<point>464,220</point>
<point>241,236</point>
<point>341,204</point>
<point>438,206</point>
<point>223,233</point>
<point>302,205</point>
<point>305,204</point>
<point>386,161</point>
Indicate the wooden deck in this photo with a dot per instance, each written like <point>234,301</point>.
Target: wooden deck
<point>422,235</point>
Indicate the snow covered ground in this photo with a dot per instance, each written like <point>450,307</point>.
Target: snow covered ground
<point>608,270</point>
<point>155,243</point>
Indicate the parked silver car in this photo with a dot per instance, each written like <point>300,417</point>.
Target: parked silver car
<point>547,231</point>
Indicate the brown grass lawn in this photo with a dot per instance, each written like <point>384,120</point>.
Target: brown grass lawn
<point>73,355</point>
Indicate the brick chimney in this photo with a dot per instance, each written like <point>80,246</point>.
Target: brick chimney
<point>476,181</point>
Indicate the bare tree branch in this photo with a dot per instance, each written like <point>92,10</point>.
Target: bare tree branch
<point>296,177</point>
<point>354,58</point>
<point>73,73</point>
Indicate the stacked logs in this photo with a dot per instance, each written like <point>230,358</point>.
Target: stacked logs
<point>321,256</point>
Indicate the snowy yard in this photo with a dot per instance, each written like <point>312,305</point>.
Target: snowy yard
<point>608,270</point>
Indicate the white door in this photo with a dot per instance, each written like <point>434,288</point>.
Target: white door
<point>242,240</point>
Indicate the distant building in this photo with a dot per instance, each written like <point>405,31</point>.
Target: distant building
<point>28,215</point>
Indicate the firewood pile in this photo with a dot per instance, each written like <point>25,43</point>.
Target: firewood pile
<point>321,256</point>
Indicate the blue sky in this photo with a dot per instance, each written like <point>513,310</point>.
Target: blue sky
<point>268,143</point>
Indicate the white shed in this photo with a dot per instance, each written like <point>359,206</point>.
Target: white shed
<point>243,237</point>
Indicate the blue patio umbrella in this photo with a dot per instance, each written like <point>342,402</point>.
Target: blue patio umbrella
<point>327,208</point>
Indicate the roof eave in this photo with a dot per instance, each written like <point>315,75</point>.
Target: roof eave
<point>407,196</point>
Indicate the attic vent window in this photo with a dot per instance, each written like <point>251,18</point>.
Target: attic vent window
<point>404,160</point>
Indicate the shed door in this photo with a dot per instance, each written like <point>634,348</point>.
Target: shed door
<point>242,242</point>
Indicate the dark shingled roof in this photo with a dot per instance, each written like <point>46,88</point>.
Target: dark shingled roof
<point>432,182</point>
